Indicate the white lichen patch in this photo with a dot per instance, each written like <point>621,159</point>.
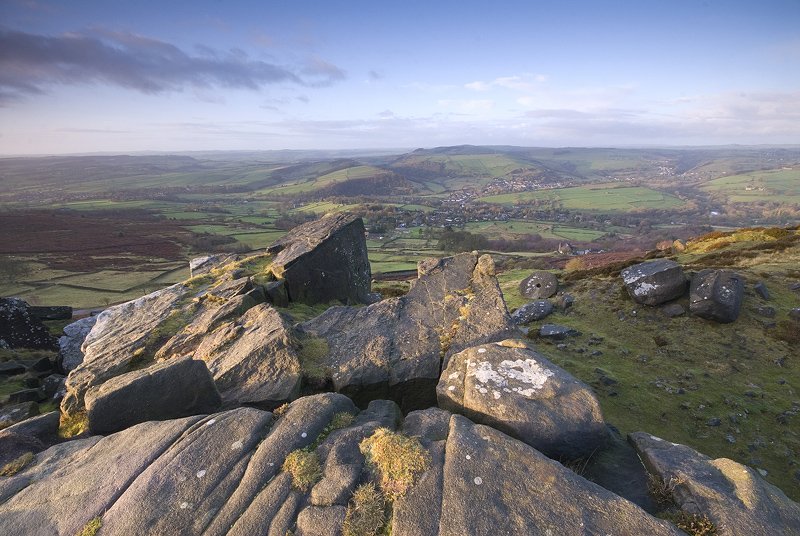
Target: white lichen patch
<point>451,388</point>
<point>201,473</point>
<point>478,481</point>
<point>644,288</point>
<point>304,435</point>
<point>481,350</point>
<point>521,371</point>
<point>453,376</point>
<point>211,421</point>
<point>184,505</point>
<point>237,445</point>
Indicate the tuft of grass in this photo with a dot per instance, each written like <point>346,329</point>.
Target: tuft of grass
<point>399,460</point>
<point>91,528</point>
<point>341,420</point>
<point>312,353</point>
<point>304,467</point>
<point>661,489</point>
<point>788,331</point>
<point>366,513</point>
<point>73,425</point>
<point>692,524</point>
<point>15,466</point>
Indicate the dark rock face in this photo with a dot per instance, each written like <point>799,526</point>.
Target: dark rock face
<point>654,282</point>
<point>395,347</point>
<point>518,391</point>
<point>716,295</point>
<point>31,435</point>
<point>733,496</point>
<point>324,260</point>
<point>20,329</point>
<point>556,332</point>
<point>177,388</point>
<point>539,285</point>
<point>276,293</point>
<point>17,412</point>
<point>70,343</point>
<point>531,312</point>
<point>52,312</point>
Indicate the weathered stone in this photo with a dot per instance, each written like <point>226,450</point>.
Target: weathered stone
<point>70,353</point>
<point>761,289</point>
<point>204,265</point>
<point>11,368</point>
<point>176,388</point>
<point>767,311</point>
<point>531,312</point>
<point>566,301</point>
<point>276,293</point>
<point>320,521</point>
<point>539,285</point>
<point>556,332</point>
<point>733,496</point>
<point>716,295</point>
<point>654,282</point>
<point>15,413</point>
<point>51,312</point>
<point>31,435</point>
<point>794,313</point>
<point>26,395</point>
<point>229,289</point>
<point>393,349</point>
<point>53,386</point>
<point>671,310</point>
<point>519,392</point>
<point>41,365</point>
<point>118,339</point>
<point>20,329</point>
<point>324,260</point>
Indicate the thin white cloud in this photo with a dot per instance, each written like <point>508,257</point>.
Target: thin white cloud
<point>522,83</point>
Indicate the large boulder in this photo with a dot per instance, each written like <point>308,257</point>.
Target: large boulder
<point>716,295</point>
<point>733,496</point>
<point>20,329</point>
<point>654,282</point>
<point>512,388</point>
<point>531,312</point>
<point>177,388</point>
<point>324,260</point>
<point>70,343</point>
<point>123,335</point>
<point>395,348</point>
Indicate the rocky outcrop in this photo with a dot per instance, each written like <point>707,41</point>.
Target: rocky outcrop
<point>654,282</point>
<point>531,312</point>
<point>324,260</point>
<point>539,285</point>
<point>69,344</point>
<point>733,496</point>
<point>122,336</point>
<point>20,329</point>
<point>176,388</point>
<point>395,348</point>
<point>518,391</point>
<point>716,295</point>
<point>51,312</point>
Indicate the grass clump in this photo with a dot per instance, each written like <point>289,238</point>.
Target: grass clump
<point>661,489</point>
<point>15,466</point>
<point>399,460</point>
<point>91,528</point>
<point>73,425</point>
<point>366,513</point>
<point>304,467</point>
<point>692,524</point>
<point>312,353</point>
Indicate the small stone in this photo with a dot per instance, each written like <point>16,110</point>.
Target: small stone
<point>556,332</point>
<point>767,311</point>
<point>794,314</point>
<point>761,290</point>
<point>714,421</point>
<point>730,438</point>
<point>672,310</point>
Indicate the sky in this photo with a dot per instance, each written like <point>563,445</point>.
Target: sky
<point>125,76</point>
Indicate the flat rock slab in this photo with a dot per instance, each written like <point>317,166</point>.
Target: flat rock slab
<point>733,496</point>
<point>324,260</point>
<point>556,332</point>
<point>716,295</point>
<point>539,285</point>
<point>531,312</point>
<point>518,391</point>
<point>654,282</point>
<point>176,388</point>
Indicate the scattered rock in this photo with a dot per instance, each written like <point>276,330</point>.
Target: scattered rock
<point>20,329</point>
<point>539,285</point>
<point>672,310</point>
<point>26,395</point>
<point>654,282</point>
<point>761,290</point>
<point>521,393</point>
<point>795,286</point>
<point>714,421</point>
<point>53,386</point>
<point>716,295</point>
<point>794,313</point>
<point>566,301</point>
<point>767,311</point>
<point>11,368</point>
<point>556,332</point>
<point>70,353</point>
<point>324,260</point>
<point>177,388</point>
<point>15,413</point>
<point>531,312</point>
<point>734,497</point>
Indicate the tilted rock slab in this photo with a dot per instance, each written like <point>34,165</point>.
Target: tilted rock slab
<point>324,260</point>
<point>388,346</point>
<point>654,282</point>
<point>177,388</point>
<point>118,337</point>
<point>733,496</point>
<point>716,295</point>
<point>518,391</point>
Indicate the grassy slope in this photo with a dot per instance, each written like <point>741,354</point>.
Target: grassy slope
<point>601,197</point>
<point>675,375</point>
<point>781,185</point>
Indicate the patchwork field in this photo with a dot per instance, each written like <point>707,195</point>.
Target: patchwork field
<point>596,197</point>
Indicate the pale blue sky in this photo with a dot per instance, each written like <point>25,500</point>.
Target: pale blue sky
<point>123,76</point>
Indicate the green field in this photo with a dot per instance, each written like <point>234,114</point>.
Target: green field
<point>596,197</point>
<point>776,185</point>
